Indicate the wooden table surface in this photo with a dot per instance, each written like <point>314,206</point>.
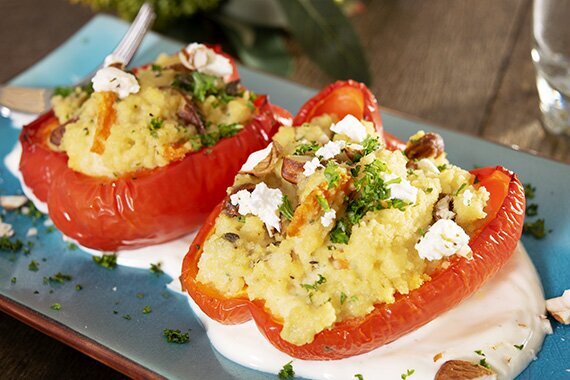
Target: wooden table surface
<point>462,64</point>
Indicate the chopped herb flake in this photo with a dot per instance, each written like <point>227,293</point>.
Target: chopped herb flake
<point>315,284</point>
<point>59,278</point>
<point>78,287</point>
<point>147,309</point>
<point>33,266</point>
<point>13,280</point>
<point>303,149</point>
<point>408,373</point>
<point>359,376</point>
<point>529,191</point>
<point>8,245</point>
<point>287,372</point>
<point>176,336</point>
<point>442,167</point>
<point>286,209</point>
<point>62,91</point>
<point>343,297</point>
<point>106,261</point>
<point>323,203</point>
<point>72,246</point>
<point>535,229</point>
<point>156,268</point>
<point>532,209</point>
<point>56,306</point>
<point>331,174</point>
<point>127,317</point>
<point>519,346</point>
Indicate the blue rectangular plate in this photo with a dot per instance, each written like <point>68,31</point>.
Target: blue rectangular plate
<point>91,320</point>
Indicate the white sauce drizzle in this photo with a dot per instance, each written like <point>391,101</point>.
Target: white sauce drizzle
<point>483,322</point>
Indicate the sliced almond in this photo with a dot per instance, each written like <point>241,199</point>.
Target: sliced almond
<point>464,370</point>
<point>266,165</point>
<point>12,202</point>
<point>559,307</point>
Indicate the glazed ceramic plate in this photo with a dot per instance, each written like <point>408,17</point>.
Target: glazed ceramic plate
<point>105,318</point>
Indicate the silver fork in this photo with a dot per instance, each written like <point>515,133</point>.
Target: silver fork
<point>37,100</point>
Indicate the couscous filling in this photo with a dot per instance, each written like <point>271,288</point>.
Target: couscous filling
<point>175,111</point>
<point>329,224</point>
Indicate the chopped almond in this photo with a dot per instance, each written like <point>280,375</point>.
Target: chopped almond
<point>559,307</point>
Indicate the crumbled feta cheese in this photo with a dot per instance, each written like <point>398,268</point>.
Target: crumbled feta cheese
<point>115,80</point>
<point>311,166</point>
<point>48,222</point>
<point>112,60</point>
<point>12,202</point>
<point>25,210</point>
<point>444,238</point>
<point>467,197</point>
<point>351,127</point>
<point>559,307</point>
<point>427,166</point>
<point>255,158</point>
<point>33,231</point>
<point>328,218</point>
<point>203,59</point>
<point>262,202</point>
<point>401,190</point>
<point>330,149</point>
<point>6,229</point>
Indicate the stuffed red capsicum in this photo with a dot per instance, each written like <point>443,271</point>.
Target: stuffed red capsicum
<point>336,245</point>
<point>145,157</point>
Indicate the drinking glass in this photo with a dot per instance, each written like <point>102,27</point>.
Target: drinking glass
<point>551,57</point>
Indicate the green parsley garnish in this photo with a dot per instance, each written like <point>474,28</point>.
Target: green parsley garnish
<point>201,86</point>
<point>303,149</point>
<point>62,91</point>
<point>532,209</point>
<point>287,372</point>
<point>8,245</point>
<point>370,144</point>
<point>50,229</point>
<point>224,130</point>
<point>529,191</point>
<point>140,295</point>
<point>339,233</point>
<point>463,186</point>
<point>72,246</point>
<point>535,229</point>
<point>59,278</point>
<point>372,194</point>
<point>31,210</point>
<point>156,268</point>
<point>33,266</point>
<point>323,203</point>
<point>78,287</point>
<point>106,261</point>
<point>408,373</point>
<point>157,69</point>
<point>429,190</point>
<point>56,306</point>
<point>13,280</point>
<point>518,346</point>
<point>147,309</point>
<point>286,209</point>
<point>483,363</point>
<point>359,376</point>
<point>343,297</point>
<point>442,167</point>
<point>480,352</point>
<point>154,125</point>
<point>127,317</point>
<point>331,174</point>
<point>315,284</point>
<point>176,336</point>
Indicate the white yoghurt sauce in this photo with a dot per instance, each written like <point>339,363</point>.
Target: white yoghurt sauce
<point>505,312</point>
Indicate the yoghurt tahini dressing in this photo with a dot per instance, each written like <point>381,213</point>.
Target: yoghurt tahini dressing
<point>505,312</point>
